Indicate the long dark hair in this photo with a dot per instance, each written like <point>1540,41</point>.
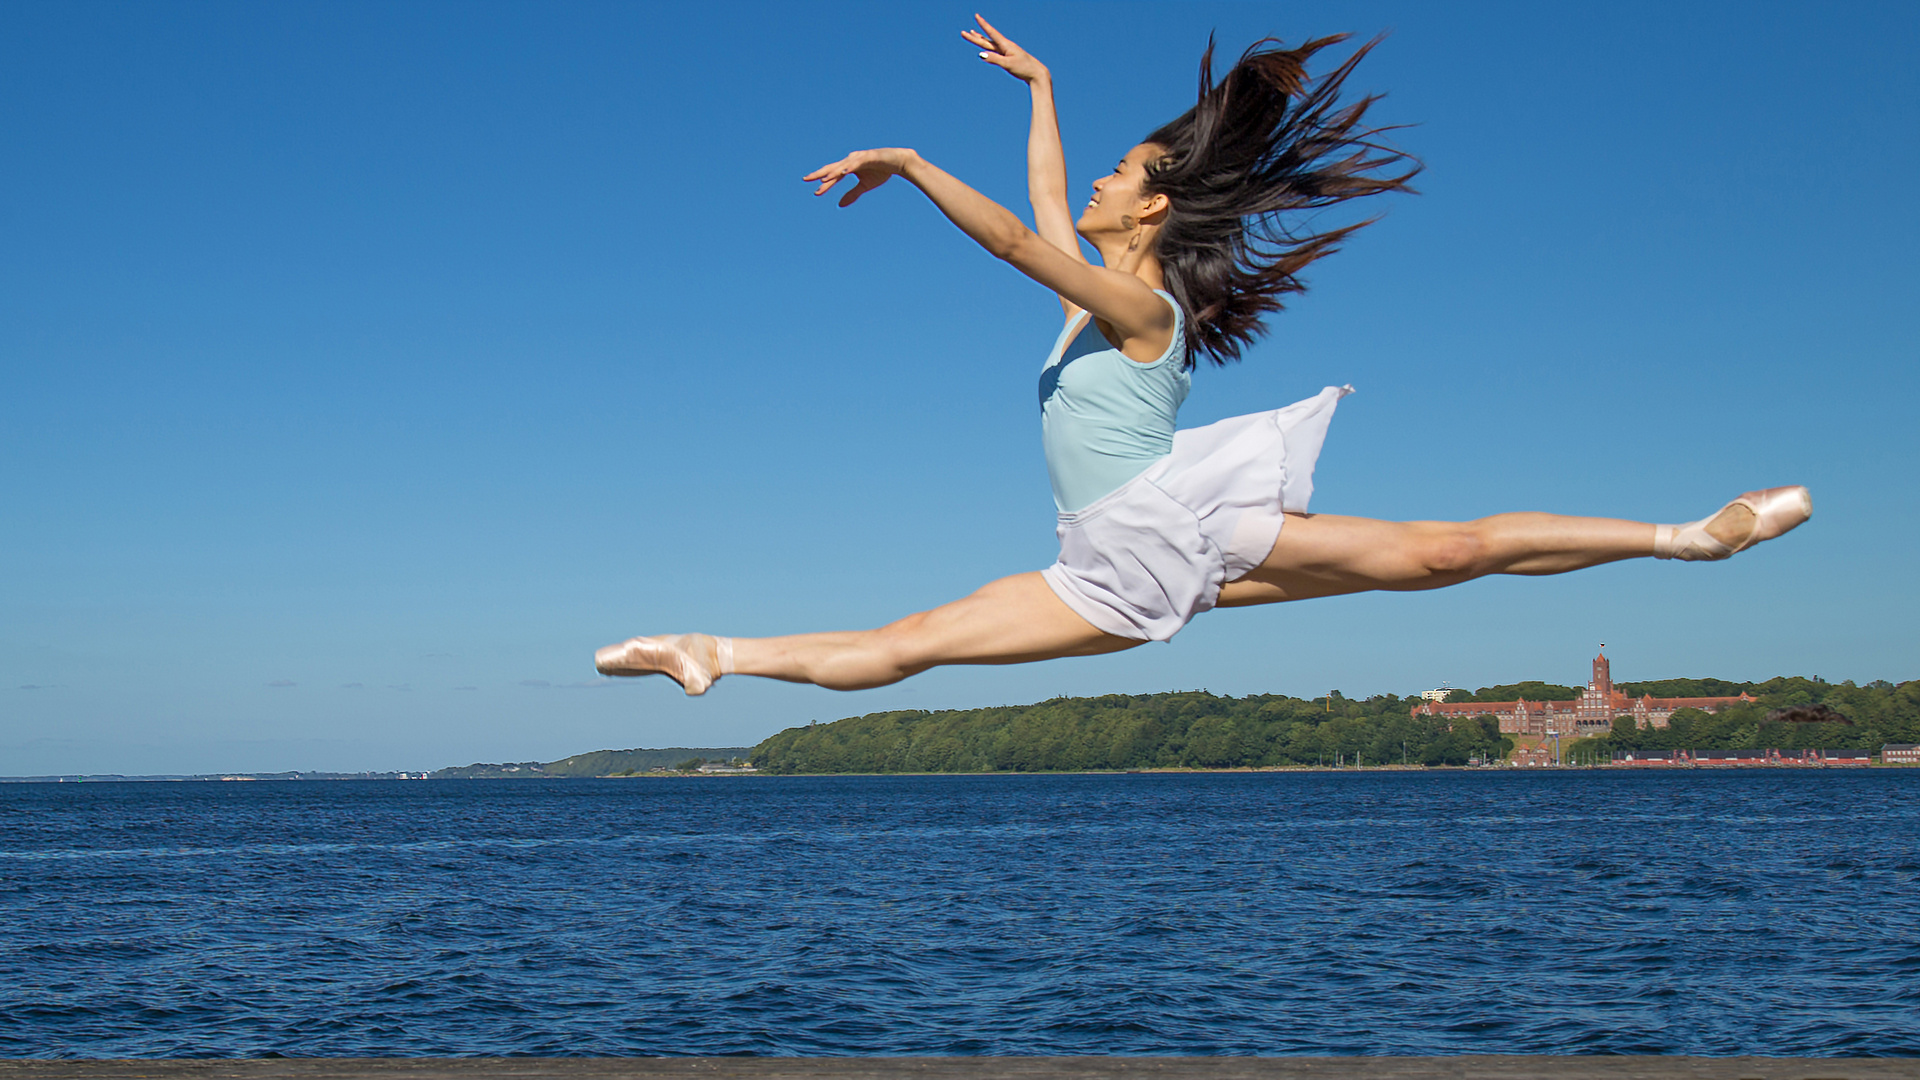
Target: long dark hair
<point>1263,143</point>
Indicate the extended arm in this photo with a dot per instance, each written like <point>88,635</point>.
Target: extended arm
<point>1046,162</point>
<point>1047,174</point>
<point>1116,297</point>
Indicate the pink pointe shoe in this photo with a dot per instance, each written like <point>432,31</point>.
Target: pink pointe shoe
<point>677,656</point>
<point>1775,511</point>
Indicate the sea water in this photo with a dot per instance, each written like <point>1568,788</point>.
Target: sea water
<point>1740,912</point>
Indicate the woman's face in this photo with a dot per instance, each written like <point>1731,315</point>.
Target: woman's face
<point>1118,203</point>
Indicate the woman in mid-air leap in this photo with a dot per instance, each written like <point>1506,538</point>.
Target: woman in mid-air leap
<point>1156,525</point>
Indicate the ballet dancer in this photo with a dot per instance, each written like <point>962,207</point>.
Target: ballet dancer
<point>1196,250</point>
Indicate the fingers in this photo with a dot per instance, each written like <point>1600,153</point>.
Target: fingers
<point>1000,51</point>
<point>988,51</point>
<point>999,39</point>
<point>829,175</point>
<point>822,171</point>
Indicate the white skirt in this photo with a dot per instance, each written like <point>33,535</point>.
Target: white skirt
<point>1144,560</point>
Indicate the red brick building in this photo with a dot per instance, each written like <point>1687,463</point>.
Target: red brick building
<point>1535,755</point>
<point>1591,713</point>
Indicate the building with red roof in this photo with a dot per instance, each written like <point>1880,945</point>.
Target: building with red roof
<point>1591,713</point>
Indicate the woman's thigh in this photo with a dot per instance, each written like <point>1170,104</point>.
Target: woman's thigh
<point>1329,555</point>
<point>1010,621</point>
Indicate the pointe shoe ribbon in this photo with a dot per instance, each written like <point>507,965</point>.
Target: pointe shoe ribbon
<point>1775,511</point>
<point>677,656</point>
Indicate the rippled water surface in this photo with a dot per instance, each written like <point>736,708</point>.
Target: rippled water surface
<point>1763,912</point>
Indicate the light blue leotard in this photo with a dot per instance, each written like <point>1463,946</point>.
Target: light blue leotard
<point>1104,419</point>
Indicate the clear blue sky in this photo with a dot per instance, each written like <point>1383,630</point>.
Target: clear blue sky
<point>364,366</point>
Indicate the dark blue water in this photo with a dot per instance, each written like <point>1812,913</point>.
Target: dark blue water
<point>1763,912</point>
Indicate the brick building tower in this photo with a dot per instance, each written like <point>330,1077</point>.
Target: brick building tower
<point>1597,706</point>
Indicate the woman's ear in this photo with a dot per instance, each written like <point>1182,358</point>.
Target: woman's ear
<point>1153,209</point>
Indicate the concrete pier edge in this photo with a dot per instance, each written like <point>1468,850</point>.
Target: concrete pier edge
<point>1464,1067</point>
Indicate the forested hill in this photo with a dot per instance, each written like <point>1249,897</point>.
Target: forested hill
<point>1200,730</point>
<point>595,763</point>
<point>1120,731</point>
<point>1790,714</point>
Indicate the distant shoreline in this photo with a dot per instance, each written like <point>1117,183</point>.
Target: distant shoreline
<point>235,778</point>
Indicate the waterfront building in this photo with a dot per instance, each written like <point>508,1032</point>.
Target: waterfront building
<point>1650,757</point>
<point>1742,758</point>
<point>1592,713</point>
<point>1532,755</point>
<point>1900,754</point>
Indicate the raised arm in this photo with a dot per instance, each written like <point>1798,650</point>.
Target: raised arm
<point>1046,163</point>
<point>1121,300</point>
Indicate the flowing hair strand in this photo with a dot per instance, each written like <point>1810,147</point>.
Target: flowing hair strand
<point>1262,145</point>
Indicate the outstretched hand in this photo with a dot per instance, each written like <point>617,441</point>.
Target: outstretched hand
<point>1000,51</point>
<point>871,168</point>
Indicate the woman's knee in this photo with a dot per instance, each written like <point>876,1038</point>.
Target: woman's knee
<point>1451,549</point>
<point>898,648</point>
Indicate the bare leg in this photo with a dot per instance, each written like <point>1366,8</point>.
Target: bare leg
<point>1018,619</point>
<point>1325,555</point>
<point>1011,621</point>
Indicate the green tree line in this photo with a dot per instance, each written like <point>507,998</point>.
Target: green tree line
<point>1523,691</point>
<point>1790,714</point>
<point>1191,729</point>
<point>1195,729</point>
